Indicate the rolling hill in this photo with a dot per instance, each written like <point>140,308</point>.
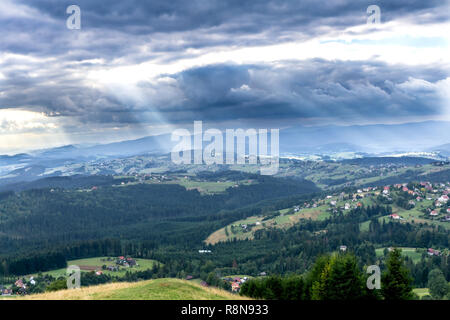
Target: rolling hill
<point>159,289</point>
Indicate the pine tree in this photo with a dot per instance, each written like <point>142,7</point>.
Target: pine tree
<point>396,281</point>
<point>340,279</point>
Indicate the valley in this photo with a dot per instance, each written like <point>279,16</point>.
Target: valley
<point>205,223</point>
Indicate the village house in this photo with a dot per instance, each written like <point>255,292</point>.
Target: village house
<point>395,216</point>
<point>443,199</point>
<point>235,287</point>
<point>432,252</point>
<point>19,284</point>
<point>434,213</point>
<point>126,262</point>
<point>6,292</point>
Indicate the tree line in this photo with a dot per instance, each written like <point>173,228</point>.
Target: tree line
<point>335,277</point>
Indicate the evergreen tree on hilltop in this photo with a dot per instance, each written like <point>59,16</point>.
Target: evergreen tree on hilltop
<point>340,279</point>
<point>315,275</point>
<point>396,281</point>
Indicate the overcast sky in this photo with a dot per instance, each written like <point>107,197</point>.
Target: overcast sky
<point>146,67</point>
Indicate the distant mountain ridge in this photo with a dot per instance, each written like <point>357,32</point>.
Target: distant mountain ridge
<point>442,149</point>
<point>374,161</point>
<point>378,138</point>
<point>422,136</point>
<point>414,140</point>
<point>121,148</point>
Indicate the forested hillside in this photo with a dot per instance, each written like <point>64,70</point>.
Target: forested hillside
<point>49,219</point>
<point>42,229</point>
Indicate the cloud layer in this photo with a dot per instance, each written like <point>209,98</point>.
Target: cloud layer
<point>138,64</point>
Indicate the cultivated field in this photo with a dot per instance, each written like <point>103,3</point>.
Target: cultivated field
<point>284,218</point>
<point>415,254</point>
<point>95,264</point>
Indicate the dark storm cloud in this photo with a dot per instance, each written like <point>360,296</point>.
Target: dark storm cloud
<point>113,28</point>
<point>39,88</point>
<point>315,88</point>
<point>137,16</point>
<point>340,90</point>
<point>115,31</point>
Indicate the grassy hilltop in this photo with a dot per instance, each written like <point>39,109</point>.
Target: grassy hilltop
<point>159,289</point>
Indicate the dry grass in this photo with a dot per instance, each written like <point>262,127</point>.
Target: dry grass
<point>220,235</point>
<point>159,289</point>
<point>216,237</point>
<point>85,293</point>
<point>310,214</point>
